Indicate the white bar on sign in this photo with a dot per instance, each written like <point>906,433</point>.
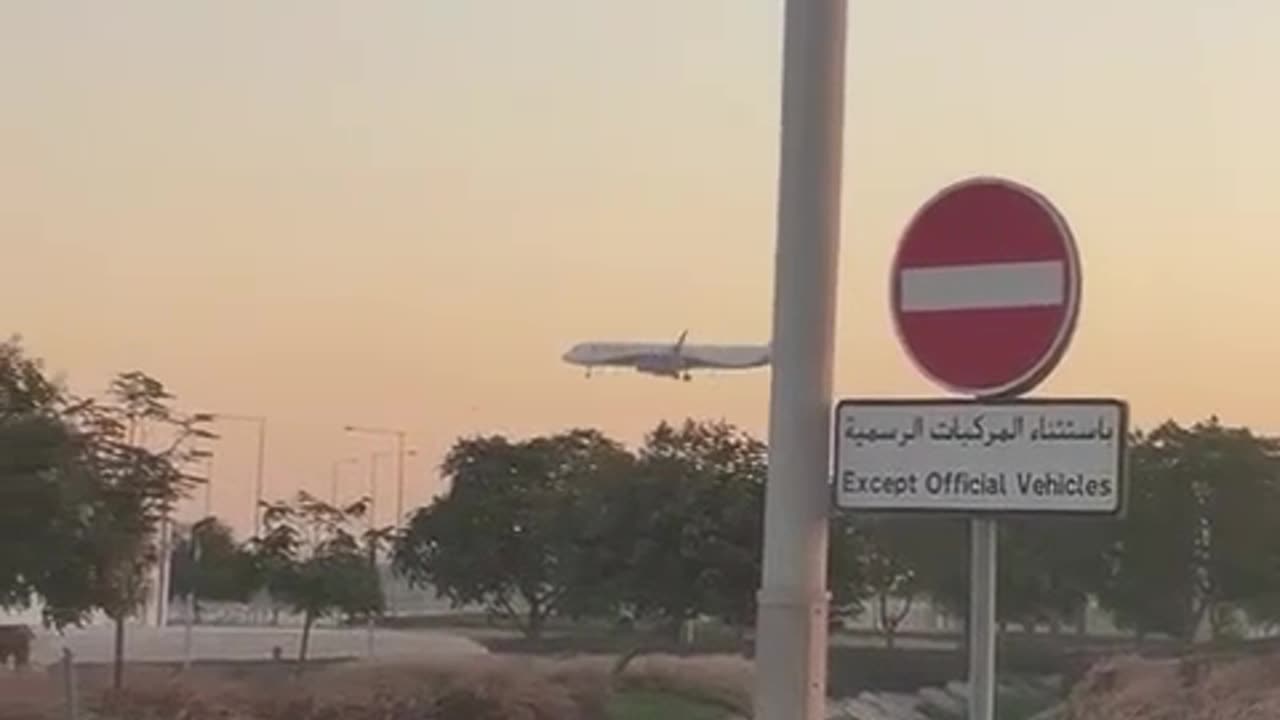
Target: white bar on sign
<point>989,286</point>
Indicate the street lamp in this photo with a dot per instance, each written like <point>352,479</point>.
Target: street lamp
<point>262,449</point>
<point>207,456</point>
<point>333,487</point>
<point>373,480</point>
<point>791,630</point>
<point>400,453</point>
<point>373,524</point>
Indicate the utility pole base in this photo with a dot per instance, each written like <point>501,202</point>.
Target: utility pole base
<point>792,625</point>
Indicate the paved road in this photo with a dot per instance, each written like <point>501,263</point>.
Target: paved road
<point>149,644</point>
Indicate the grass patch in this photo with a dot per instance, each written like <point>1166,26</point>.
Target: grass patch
<point>652,705</point>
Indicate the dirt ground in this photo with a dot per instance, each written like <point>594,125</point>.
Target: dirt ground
<point>1194,688</point>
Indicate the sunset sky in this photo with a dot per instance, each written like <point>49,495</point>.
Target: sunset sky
<point>401,213</point>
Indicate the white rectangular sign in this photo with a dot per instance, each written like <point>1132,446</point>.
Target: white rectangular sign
<point>1020,456</point>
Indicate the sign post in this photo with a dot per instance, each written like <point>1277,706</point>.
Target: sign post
<point>985,292</point>
<point>791,636</point>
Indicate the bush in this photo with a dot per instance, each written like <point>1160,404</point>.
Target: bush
<point>485,688</point>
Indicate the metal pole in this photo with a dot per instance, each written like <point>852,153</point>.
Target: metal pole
<point>791,638</point>
<point>70,685</point>
<point>982,619</point>
<point>399,477</point>
<point>373,490</point>
<point>373,551</point>
<point>257,499</point>
<point>165,568</point>
<point>208,488</point>
<point>191,602</point>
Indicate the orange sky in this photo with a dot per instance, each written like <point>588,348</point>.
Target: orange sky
<point>401,213</point>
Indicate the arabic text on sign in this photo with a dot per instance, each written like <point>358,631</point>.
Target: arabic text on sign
<point>982,429</point>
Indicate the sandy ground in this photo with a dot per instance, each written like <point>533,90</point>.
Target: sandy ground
<point>150,644</point>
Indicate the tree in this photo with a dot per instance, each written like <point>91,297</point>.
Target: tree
<point>893,563</point>
<point>938,552</point>
<point>37,500</point>
<point>210,565</point>
<point>511,534</point>
<point>692,520</point>
<point>312,557</point>
<point>1048,567</point>
<point>133,448</point>
<point>1200,531</point>
<point>846,573</point>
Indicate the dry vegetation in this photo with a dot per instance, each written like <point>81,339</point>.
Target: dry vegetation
<point>480,688</point>
<point>1130,688</point>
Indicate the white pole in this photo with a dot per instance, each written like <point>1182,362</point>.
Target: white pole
<point>187,631</point>
<point>258,477</point>
<point>164,569</point>
<point>208,488</point>
<point>791,637</point>
<point>187,640</point>
<point>373,553</point>
<point>982,619</point>
<point>399,477</point>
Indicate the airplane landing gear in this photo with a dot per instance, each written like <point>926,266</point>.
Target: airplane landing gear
<point>686,377</point>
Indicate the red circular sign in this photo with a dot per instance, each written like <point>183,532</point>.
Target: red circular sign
<point>986,288</point>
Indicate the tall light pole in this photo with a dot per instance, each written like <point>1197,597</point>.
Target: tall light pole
<point>373,480</point>
<point>373,487</point>
<point>791,635</point>
<point>262,450</point>
<point>333,480</point>
<point>373,548</point>
<point>208,484</point>
<point>400,453</point>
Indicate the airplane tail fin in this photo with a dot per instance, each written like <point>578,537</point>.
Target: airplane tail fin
<point>680,341</point>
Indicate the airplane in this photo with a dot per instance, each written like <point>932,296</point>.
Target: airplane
<point>667,360</point>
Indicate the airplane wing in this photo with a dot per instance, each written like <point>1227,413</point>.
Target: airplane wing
<point>726,356</point>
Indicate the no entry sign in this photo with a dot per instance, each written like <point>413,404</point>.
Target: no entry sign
<point>986,288</point>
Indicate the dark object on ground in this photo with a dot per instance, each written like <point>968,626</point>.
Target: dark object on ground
<point>15,644</point>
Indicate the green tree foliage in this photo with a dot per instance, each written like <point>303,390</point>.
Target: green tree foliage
<point>691,523</point>
<point>511,534</point>
<point>845,569</point>
<point>1048,568</point>
<point>134,448</point>
<point>574,524</point>
<point>40,498</point>
<point>209,564</point>
<point>937,551</point>
<point>81,493</point>
<point>313,556</point>
<point>894,559</point>
<point>1200,531</point>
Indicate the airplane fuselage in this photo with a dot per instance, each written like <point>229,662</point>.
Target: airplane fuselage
<point>673,360</point>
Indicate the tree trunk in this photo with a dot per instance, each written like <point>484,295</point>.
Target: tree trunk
<point>535,621</point>
<point>308,619</point>
<point>117,669</point>
<point>1192,623</point>
<point>886,623</point>
<point>625,659</point>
